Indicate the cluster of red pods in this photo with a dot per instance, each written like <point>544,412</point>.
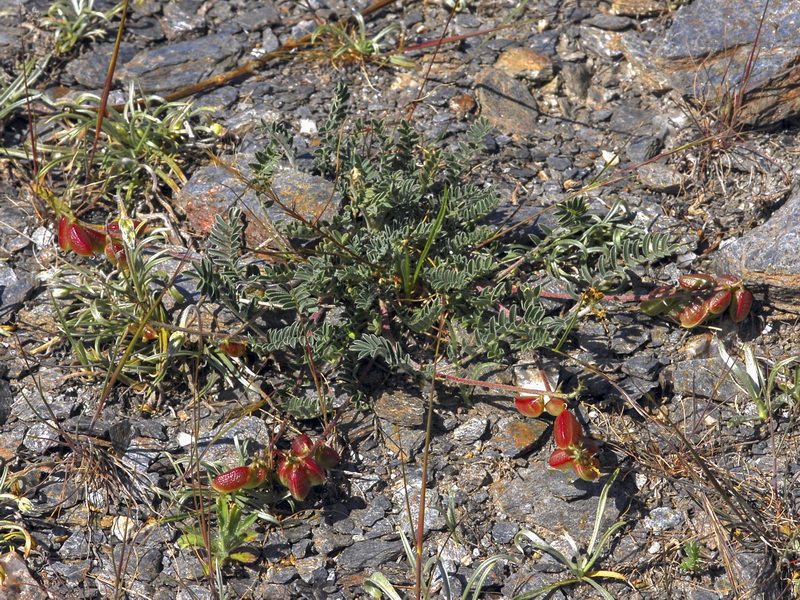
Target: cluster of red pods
<point>84,240</point>
<point>299,469</point>
<point>573,449</point>
<point>700,297</point>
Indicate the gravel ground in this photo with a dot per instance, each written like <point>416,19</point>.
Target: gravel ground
<point>570,86</point>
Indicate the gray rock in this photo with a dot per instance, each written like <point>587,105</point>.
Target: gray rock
<point>663,518</point>
<point>705,52</point>
<point>75,546</point>
<point>514,436</point>
<point>143,562</point>
<point>600,42</point>
<point>222,448</point>
<point>6,400</point>
<point>311,569</point>
<point>471,431</point>
<point>503,532</point>
<point>608,22</point>
<point>705,377</point>
<point>577,79</point>
<point>41,437</point>
<point>258,18</point>
<point>626,340</point>
<point>91,69</point>
<point>400,408</point>
<point>212,189</point>
<point>767,257</point>
<point>506,103</point>
<point>15,287</point>
<point>368,554</point>
<point>185,63</point>
<point>642,365</point>
<point>74,572</point>
<point>178,22</point>
<point>541,498</point>
<point>660,178</point>
<point>643,148</point>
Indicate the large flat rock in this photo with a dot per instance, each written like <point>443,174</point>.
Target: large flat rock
<point>768,257</point>
<point>705,54</point>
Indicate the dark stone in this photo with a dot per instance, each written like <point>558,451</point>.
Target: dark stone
<point>185,63</point>
<point>559,163</point>
<point>258,18</point>
<point>577,79</point>
<point>180,21</point>
<point>91,69</point>
<point>642,365</point>
<point>608,22</point>
<point>767,257</point>
<point>503,532</point>
<point>142,562</point>
<point>506,102</point>
<point>145,27</point>
<point>6,401</point>
<point>368,554</point>
<point>539,497</point>
<point>626,340</point>
<point>400,408</point>
<point>643,148</point>
<point>16,286</point>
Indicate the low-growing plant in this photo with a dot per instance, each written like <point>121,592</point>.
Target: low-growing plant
<point>227,540</point>
<point>139,148</point>
<point>692,563</point>
<point>408,248</point>
<point>580,564</point>
<point>11,531</point>
<point>767,389</point>
<point>76,20</point>
<point>377,585</point>
<point>350,41</point>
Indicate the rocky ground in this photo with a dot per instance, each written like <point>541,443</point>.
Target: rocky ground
<point>568,88</point>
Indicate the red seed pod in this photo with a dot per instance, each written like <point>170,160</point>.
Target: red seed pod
<point>258,475</point>
<point>63,233</point>
<point>316,474</point>
<point>587,468</point>
<point>560,459</point>
<point>741,303</point>
<point>233,480</point>
<point>233,349</point>
<point>301,445</point>
<point>529,406</point>
<point>697,281</point>
<point>114,231</point>
<point>326,456</point>
<point>718,302</point>
<point>567,432</point>
<point>555,406</point>
<point>693,314</point>
<point>80,240</point>
<point>298,482</point>
<point>657,305</point>
<point>284,466</point>
<point>727,280</point>
<point>115,253</point>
